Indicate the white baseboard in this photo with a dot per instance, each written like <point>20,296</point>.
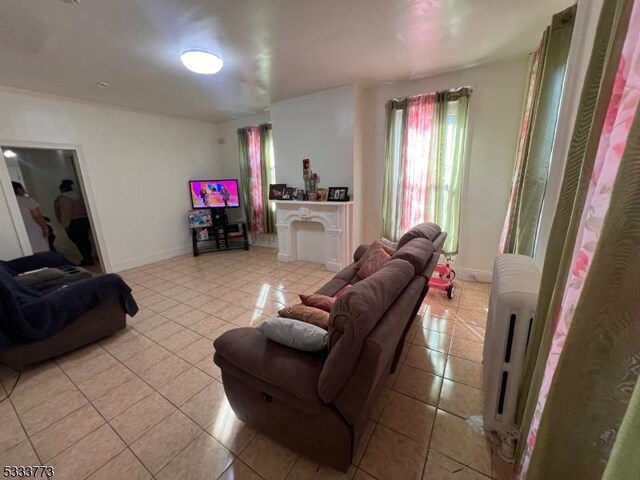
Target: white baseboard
<point>151,258</point>
<point>482,276</point>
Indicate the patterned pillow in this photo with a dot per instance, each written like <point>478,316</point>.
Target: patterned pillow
<point>374,262</point>
<point>343,290</point>
<point>375,246</point>
<point>311,315</point>
<point>318,301</point>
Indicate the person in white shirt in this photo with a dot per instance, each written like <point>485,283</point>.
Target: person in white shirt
<point>71,212</point>
<point>34,222</point>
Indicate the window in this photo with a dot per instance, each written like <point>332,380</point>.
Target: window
<point>425,151</point>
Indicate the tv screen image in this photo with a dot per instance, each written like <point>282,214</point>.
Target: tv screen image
<point>214,193</point>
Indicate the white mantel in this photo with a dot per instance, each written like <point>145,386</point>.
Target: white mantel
<point>335,217</point>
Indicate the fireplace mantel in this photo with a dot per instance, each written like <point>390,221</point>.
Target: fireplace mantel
<point>336,219</point>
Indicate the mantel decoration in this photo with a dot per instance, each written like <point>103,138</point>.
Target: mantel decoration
<point>338,194</point>
<point>277,191</point>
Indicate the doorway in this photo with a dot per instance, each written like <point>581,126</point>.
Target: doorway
<point>47,174</point>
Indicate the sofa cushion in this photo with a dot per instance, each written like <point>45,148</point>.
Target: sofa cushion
<point>373,261</point>
<point>311,315</point>
<point>423,230</point>
<point>356,314</point>
<point>417,252</point>
<point>294,333</point>
<point>317,300</point>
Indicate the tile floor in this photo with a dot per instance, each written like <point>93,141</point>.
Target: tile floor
<point>148,401</point>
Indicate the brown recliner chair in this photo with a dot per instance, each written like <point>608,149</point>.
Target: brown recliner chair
<point>318,404</point>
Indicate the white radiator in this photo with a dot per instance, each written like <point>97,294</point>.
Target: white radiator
<point>514,293</point>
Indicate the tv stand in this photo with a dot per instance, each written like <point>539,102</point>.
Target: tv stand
<point>223,235</point>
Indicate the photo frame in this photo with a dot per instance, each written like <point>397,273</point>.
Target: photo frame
<point>289,193</point>
<point>276,191</point>
<point>322,194</point>
<point>300,194</point>
<point>338,194</point>
<point>313,196</point>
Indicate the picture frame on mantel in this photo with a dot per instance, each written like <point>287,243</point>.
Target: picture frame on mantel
<point>338,194</point>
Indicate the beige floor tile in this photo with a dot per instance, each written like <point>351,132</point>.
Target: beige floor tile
<point>21,454</point>
<point>464,371</point>
<point>125,466</point>
<point>418,384</point>
<point>472,317</point>
<point>269,459</point>
<point>362,475</point>
<point>180,340</point>
<point>210,368</point>
<point>165,330</point>
<point>120,398</point>
<point>239,471</point>
<point>142,417</point>
<point>307,470</point>
<point>158,446</point>
<point>163,305</point>
<point>146,359</point>
<point>77,357</point>
<point>11,434</point>
<point>65,432</point>
<point>35,389</point>
<point>196,351</point>
<point>87,456</point>
<point>165,371</point>
<point>103,382</point>
<point>49,412</point>
<point>380,402</point>
<point>229,430</point>
<point>469,331</point>
<point>473,303</point>
<point>150,323</point>
<point>7,411</point>
<point>461,441</point>
<point>90,368</point>
<point>208,405</point>
<point>178,311</point>
<point>466,349</point>
<point>441,467</point>
<point>408,416</point>
<point>229,313</point>
<point>121,336</point>
<point>126,350</point>
<point>501,469</point>
<point>439,342</point>
<point>425,359</point>
<point>207,327</point>
<point>202,459</point>
<point>442,311</point>
<point>392,456</point>
<point>185,385</point>
<point>460,399</point>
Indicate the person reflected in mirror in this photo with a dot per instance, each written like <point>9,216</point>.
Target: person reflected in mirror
<point>34,222</point>
<point>71,212</point>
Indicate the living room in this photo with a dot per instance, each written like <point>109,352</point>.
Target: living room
<point>142,397</point>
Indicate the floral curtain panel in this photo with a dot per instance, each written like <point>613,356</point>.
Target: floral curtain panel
<point>594,360</point>
<point>424,162</point>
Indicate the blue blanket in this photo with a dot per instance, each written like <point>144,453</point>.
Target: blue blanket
<point>27,315</point>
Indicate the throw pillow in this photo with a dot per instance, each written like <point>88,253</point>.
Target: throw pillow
<point>376,245</point>
<point>311,315</point>
<point>294,333</point>
<point>318,301</point>
<point>374,262</point>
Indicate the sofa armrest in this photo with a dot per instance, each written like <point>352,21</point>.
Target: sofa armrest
<point>36,261</point>
<point>280,371</point>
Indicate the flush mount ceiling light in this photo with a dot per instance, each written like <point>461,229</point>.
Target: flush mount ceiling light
<point>201,61</point>
<point>102,84</point>
<point>10,154</point>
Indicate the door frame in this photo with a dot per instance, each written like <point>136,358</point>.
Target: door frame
<point>82,171</point>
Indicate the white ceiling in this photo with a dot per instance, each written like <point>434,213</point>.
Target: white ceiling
<point>273,49</point>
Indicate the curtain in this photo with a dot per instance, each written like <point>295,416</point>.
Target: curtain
<point>256,173</point>
<point>524,212</point>
<point>624,461</point>
<point>594,361</point>
<point>424,163</point>
<point>597,89</point>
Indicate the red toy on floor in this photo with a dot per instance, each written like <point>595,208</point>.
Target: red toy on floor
<point>444,280</point>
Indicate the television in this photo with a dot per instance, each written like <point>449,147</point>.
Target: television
<point>214,193</point>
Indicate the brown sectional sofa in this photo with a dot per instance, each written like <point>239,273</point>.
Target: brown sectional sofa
<point>318,404</point>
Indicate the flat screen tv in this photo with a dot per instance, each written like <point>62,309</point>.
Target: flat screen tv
<point>214,193</point>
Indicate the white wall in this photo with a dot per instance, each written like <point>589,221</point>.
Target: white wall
<point>136,167</point>
<point>495,111</point>
<point>318,127</point>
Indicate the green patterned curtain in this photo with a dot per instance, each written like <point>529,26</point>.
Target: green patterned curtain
<point>448,154</point>
<point>243,153</point>
<point>624,461</point>
<point>268,174</point>
<point>597,88</point>
<point>527,203</point>
<point>396,113</point>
